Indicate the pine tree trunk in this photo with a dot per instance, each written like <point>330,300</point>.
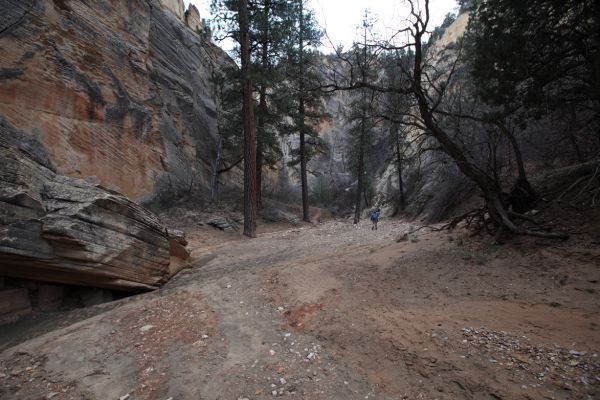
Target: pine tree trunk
<point>305,207</point>
<point>215,178</point>
<point>249,128</point>
<point>262,105</point>
<point>363,133</point>
<point>399,168</point>
<point>359,188</point>
<point>360,172</point>
<point>301,115</point>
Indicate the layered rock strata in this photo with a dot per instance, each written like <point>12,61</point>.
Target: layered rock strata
<point>119,90</point>
<point>59,229</point>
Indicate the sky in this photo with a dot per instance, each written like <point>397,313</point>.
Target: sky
<point>341,18</point>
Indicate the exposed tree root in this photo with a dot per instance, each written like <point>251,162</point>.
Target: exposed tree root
<point>496,220</point>
<point>523,217</point>
<point>469,217</point>
<point>502,216</point>
<point>588,194</point>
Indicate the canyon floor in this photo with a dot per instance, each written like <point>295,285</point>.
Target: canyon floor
<point>333,311</point>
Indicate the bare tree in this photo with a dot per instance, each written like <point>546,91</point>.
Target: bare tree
<point>427,84</point>
<point>422,87</point>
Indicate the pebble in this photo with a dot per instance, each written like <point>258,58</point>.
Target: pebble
<point>522,357</point>
<point>146,328</point>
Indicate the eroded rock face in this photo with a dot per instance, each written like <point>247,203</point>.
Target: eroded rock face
<point>192,19</point>
<point>118,90</point>
<point>175,6</point>
<point>59,229</point>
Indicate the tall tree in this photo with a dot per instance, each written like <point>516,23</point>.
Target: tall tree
<point>393,108</point>
<point>271,27</point>
<point>262,103</point>
<point>301,114</point>
<point>362,112</point>
<point>226,93</point>
<point>233,21</point>
<point>304,107</point>
<point>250,204</point>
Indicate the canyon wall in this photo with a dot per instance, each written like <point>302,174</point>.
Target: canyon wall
<point>116,90</point>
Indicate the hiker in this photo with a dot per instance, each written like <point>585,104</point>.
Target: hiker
<point>374,218</point>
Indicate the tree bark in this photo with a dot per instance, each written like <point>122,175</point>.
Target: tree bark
<point>399,167</point>
<point>215,178</point>
<point>363,133</point>
<point>301,115</point>
<point>249,128</point>
<point>262,104</point>
<point>360,176</point>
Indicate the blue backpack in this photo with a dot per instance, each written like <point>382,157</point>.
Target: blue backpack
<point>374,215</point>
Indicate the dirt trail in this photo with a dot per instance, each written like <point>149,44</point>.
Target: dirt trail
<point>335,312</point>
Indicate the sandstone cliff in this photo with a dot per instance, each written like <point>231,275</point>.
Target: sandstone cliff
<point>118,90</point>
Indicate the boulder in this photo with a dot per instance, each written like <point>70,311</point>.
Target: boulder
<point>223,224</point>
<point>274,214</point>
<point>65,230</point>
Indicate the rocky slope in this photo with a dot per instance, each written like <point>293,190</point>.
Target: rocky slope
<point>115,90</point>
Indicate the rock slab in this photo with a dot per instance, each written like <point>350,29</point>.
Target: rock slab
<point>65,230</point>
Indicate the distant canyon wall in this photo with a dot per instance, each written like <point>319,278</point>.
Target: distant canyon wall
<point>116,90</point>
